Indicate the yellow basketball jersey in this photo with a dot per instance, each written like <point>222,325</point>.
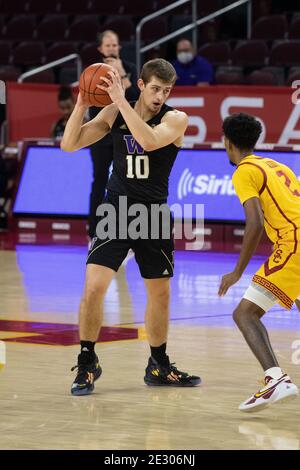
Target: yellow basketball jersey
<point>278,189</point>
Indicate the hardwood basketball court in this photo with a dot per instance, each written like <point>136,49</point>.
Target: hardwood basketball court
<point>40,288</point>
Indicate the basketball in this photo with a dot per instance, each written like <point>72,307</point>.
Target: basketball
<point>89,79</point>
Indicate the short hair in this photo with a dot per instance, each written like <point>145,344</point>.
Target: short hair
<point>159,68</point>
<point>65,93</point>
<point>184,39</point>
<point>107,32</point>
<point>242,130</point>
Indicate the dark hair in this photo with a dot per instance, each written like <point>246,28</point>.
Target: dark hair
<point>242,130</point>
<point>159,68</point>
<point>184,39</point>
<point>107,32</point>
<point>65,93</point>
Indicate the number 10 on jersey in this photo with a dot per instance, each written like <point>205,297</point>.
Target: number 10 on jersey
<point>137,167</point>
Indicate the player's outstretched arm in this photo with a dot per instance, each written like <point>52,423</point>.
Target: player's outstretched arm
<point>253,232</point>
<point>78,135</point>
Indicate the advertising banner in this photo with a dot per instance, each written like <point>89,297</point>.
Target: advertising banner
<point>32,109</point>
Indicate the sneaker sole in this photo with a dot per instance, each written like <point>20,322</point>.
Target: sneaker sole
<point>255,408</point>
<point>84,391</point>
<point>172,384</point>
<point>81,392</point>
<point>291,395</point>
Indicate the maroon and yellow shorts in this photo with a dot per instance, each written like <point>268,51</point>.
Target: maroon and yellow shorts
<point>280,274</point>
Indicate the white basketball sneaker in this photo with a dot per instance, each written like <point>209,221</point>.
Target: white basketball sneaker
<point>275,390</point>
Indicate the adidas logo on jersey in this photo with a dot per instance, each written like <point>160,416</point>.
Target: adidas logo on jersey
<point>166,272</point>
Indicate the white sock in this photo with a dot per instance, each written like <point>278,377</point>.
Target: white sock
<point>274,372</point>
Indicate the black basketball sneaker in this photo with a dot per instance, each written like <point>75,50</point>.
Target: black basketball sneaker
<point>167,374</point>
<point>87,373</point>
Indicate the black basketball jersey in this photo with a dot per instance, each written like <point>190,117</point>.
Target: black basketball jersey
<point>138,174</point>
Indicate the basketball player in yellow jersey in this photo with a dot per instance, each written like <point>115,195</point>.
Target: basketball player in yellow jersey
<point>270,194</point>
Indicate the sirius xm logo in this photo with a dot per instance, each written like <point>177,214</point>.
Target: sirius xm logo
<point>204,184</point>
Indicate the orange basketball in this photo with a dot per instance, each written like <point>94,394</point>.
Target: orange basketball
<point>90,77</point>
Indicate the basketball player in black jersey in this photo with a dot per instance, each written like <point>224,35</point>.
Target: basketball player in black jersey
<point>146,136</point>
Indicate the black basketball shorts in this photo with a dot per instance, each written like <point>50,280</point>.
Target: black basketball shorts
<point>154,249</point>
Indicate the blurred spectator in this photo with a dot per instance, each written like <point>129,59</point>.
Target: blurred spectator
<point>66,105</point>
<point>3,176</point>
<point>190,68</point>
<point>102,151</point>
<point>109,50</point>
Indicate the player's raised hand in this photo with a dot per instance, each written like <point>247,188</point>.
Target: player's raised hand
<point>227,281</point>
<point>113,86</point>
<point>80,102</point>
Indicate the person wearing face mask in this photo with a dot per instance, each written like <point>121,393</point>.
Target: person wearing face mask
<point>102,151</point>
<point>191,69</point>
